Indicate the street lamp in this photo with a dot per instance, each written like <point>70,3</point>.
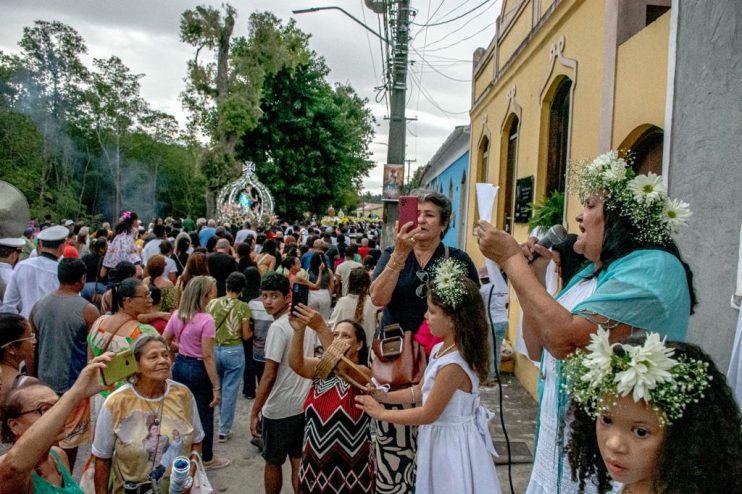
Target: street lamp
<point>358,21</point>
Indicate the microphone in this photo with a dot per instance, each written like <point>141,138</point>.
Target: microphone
<point>555,235</point>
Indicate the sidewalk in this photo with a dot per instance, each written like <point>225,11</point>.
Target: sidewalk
<point>245,474</point>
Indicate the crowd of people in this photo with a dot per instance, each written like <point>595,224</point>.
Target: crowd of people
<point>209,311</point>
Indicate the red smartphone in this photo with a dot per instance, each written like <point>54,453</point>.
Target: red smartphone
<point>408,211</point>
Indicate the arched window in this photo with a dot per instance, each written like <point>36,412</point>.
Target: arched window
<point>507,178</point>
<point>647,151</point>
<point>484,155</point>
<point>558,145</point>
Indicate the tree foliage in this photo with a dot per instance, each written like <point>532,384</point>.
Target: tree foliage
<point>81,141</point>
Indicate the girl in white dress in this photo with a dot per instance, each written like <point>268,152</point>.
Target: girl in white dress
<point>455,450</point>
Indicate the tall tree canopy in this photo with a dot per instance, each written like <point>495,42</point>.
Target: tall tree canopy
<point>83,142</point>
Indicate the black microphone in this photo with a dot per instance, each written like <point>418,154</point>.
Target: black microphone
<point>555,235</point>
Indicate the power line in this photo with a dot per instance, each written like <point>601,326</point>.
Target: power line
<point>440,23</point>
<point>438,71</point>
<point>441,48</point>
<point>461,27</point>
<point>432,101</point>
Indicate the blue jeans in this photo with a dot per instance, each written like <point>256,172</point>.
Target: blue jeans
<point>230,364</point>
<point>500,328</point>
<point>192,373</point>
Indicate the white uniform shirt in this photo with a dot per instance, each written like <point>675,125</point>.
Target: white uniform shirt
<point>32,279</point>
<point>6,271</point>
<point>151,248</point>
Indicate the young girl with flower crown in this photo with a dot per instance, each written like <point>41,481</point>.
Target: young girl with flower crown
<point>454,452</point>
<point>655,417</point>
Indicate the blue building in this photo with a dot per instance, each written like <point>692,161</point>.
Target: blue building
<point>448,173</point>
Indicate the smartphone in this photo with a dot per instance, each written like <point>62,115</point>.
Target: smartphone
<point>121,366</point>
<point>408,211</point>
<point>299,295</point>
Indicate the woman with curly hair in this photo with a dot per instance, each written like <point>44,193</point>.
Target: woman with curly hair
<point>454,449</point>
<point>679,435</point>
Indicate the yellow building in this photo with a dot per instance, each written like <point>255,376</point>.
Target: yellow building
<point>563,80</point>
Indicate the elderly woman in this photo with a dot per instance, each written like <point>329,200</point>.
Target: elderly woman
<point>17,348</point>
<point>399,286</point>
<point>33,421</point>
<point>195,365</point>
<point>141,422</point>
<point>635,280</point>
<point>336,456</point>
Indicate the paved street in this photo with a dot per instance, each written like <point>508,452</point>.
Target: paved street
<point>245,475</point>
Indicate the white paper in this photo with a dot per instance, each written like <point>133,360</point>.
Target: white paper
<point>486,195</point>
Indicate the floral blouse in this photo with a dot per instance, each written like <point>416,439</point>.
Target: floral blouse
<point>123,247</point>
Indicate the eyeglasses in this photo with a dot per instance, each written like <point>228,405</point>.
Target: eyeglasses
<point>41,409</point>
<point>422,289</point>
<point>31,338</point>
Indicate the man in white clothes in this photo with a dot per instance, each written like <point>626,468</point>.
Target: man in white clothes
<point>281,393</point>
<point>244,233</point>
<point>342,273</point>
<point>36,276</point>
<point>10,250</point>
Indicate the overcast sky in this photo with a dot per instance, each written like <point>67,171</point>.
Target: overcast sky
<point>144,34</point>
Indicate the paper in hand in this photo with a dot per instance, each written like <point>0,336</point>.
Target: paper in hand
<point>486,195</point>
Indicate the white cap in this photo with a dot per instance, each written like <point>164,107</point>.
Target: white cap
<point>69,223</point>
<point>53,233</point>
<point>12,242</point>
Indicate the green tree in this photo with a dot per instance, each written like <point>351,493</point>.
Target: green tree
<point>310,143</point>
<point>115,106</point>
<point>223,95</point>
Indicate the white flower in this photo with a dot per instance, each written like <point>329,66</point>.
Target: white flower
<point>647,188</point>
<point>598,361</point>
<point>616,171</point>
<point>648,367</point>
<point>676,213</point>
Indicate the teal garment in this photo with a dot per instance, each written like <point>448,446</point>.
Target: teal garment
<point>645,289</point>
<point>69,486</point>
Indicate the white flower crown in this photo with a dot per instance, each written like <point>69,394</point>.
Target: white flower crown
<point>447,281</point>
<point>647,372</point>
<point>642,199</point>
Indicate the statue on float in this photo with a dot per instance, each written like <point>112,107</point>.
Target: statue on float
<point>245,199</point>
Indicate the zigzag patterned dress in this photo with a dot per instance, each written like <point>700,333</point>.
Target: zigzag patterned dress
<point>338,455</point>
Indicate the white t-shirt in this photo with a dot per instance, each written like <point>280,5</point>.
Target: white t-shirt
<point>343,270</point>
<point>243,234</point>
<point>497,303</point>
<point>151,248</point>
<point>170,267</point>
<point>290,389</point>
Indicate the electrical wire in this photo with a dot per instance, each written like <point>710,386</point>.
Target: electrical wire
<point>368,41</point>
<point>438,71</point>
<point>487,26</point>
<point>462,26</point>
<point>440,23</point>
<point>432,101</point>
<point>499,385</point>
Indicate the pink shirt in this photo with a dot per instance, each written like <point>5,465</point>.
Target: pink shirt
<point>189,335</point>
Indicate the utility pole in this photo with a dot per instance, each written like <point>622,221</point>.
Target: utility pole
<point>399,19</point>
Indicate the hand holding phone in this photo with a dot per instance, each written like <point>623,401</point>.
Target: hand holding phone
<point>408,211</point>
<point>299,295</point>
<point>121,366</point>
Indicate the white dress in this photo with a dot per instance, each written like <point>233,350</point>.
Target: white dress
<point>455,454</point>
<point>550,461</point>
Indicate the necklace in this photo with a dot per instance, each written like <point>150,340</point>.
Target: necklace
<point>441,353</point>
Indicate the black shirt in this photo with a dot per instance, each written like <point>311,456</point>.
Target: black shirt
<point>405,307</point>
<point>221,266</point>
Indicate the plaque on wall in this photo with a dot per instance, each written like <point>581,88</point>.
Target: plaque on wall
<point>523,199</point>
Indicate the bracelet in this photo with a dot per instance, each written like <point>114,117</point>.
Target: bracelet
<point>412,392</point>
<point>395,265</point>
<point>217,388</point>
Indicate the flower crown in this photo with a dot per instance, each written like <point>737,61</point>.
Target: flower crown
<point>647,372</point>
<point>642,199</point>
<point>447,281</point>
<point>125,215</point>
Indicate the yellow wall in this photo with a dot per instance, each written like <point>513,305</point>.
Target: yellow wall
<point>641,81</point>
<point>639,98</point>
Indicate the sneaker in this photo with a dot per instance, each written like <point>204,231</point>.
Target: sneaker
<point>223,438</point>
<point>216,463</point>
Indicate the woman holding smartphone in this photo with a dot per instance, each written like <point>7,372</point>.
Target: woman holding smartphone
<point>399,285</point>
